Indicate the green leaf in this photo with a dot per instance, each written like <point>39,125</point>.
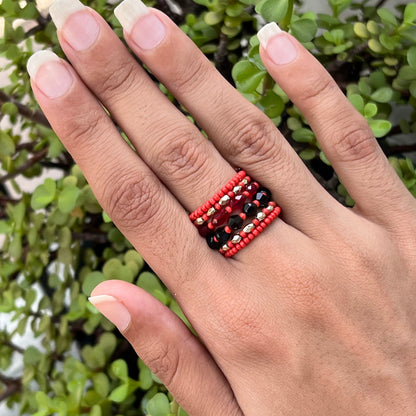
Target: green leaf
<point>9,109</point>
<point>410,13</point>
<point>382,95</point>
<point>370,110</point>
<point>360,29</point>
<point>32,356</point>
<point>101,384</point>
<point>120,393</point>
<point>43,194</point>
<point>303,135</point>
<point>304,29</point>
<point>91,280</point>
<point>29,12</point>
<point>68,198</point>
<point>387,16</point>
<point>357,101</point>
<point>7,146</point>
<point>158,405</point>
<point>411,57</point>
<point>120,370</point>
<point>247,76</point>
<point>307,154</point>
<point>213,18</point>
<point>380,127</point>
<point>272,10</point>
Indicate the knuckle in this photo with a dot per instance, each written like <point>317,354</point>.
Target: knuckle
<point>131,200</point>
<point>317,89</point>
<point>355,142</point>
<point>119,80</point>
<point>253,136</point>
<point>182,154</point>
<point>186,79</point>
<point>164,361</point>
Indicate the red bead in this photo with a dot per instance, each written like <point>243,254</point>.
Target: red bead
<point>238,202</point>
<point>242,244</point>
<point>263,225</point>
<point>256,232</point>
<point>256,203</point>
<point>217,206</point>
<point>251,235</point>
<point>273,204</point>
<point>228,209</point>
<point>238,246</point>
<point>243,234</point>
<point>242,215</point>
<point>217,197</point>
<point>210,226</point>
<point>220,217</point>
<point>203,230</point>
<point>259,229</point>
<point>228,229</point>
<point>267,220</point>
<point>220,194</point>
<point>230,244</point>
<point>252,188</point>
<point>231,194</point>
<point>205,217</point>
<point>256,221</point>
<point>212,201</point>
<point>246,240</point>
<point>224,190</point>
<point>265,211</point>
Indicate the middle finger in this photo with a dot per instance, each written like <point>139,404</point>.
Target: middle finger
<point>162,136</point>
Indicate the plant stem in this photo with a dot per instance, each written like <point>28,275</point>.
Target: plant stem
<point>33,115</point>
<point>285,23</point>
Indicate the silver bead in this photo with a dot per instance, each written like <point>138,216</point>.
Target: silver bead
<point>249,227</point>
<point>261,216</point>
<point>244,181</point>
<point>224,200</point>
<point>237,189</point>
<point>211,211</point>
<point>225,247</point>
<point>236,239</point>
<point>270,208</point>
<point>199,221</point>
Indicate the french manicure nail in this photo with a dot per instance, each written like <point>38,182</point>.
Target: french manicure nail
<point>49,73</point>
<point>279,48</point>
<point>144,28</point>
<point>113,310</point>
<point>77,25</point>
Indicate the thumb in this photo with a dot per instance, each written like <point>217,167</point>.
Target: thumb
<point>167,347</point>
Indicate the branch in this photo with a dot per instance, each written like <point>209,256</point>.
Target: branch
<point>33,115</point>
<point>220,56</point>
<point>336,65</point>
<point>29,163</point>
<point>100,238</point>
<point>14,347</point>
<point>379,4</point>
<point>13,385</point>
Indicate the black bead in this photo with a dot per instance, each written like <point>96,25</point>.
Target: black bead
<point>250,209</point>
<point>265,191</point>
<point>212,242</point>
<point>221,235</point>
<point>262,197</point>
<point>235,222</point>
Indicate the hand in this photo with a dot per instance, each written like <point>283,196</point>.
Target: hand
<point>317,315</point>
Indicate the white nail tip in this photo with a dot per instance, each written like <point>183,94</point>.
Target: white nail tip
<point>267,32</point>
<point>129,11</point>
<point>38,59</point>
<point>60,10</point>
<point>102,298</point>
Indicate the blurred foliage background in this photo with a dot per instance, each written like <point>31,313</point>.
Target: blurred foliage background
<point>56,242</point>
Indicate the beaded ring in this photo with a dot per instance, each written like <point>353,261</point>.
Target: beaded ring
<point>246,209</point>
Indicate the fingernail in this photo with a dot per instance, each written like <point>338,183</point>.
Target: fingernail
<point>279,48</point>
<point>77,25</point>
<point>144,28</point>
<point>113,310</point>
<point>49,73</point>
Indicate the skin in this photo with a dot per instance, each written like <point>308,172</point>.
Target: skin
<point>316,316</point>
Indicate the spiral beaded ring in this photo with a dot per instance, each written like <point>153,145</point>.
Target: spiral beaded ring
<point>235,215</point>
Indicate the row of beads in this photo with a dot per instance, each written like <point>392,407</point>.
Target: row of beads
<point>250,202</point>
<point>236,200</point>
<point>244,238</point>
<point>224,191</point>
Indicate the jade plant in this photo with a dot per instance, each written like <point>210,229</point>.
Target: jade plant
<point>56,241</point>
